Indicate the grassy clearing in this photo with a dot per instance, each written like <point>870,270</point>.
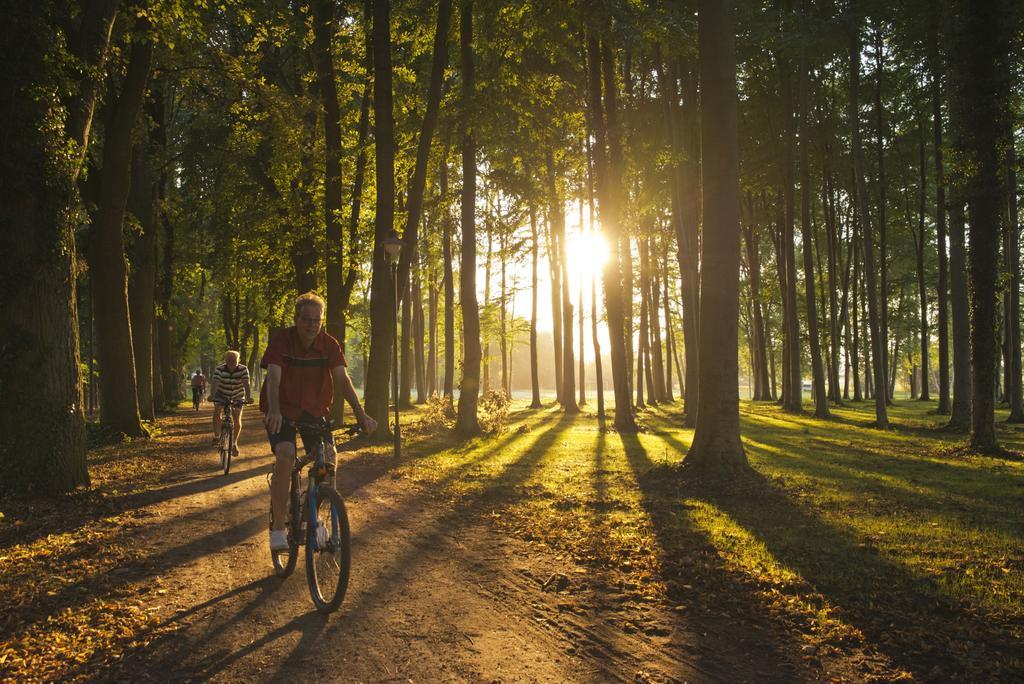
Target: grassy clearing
<point>895,548</point>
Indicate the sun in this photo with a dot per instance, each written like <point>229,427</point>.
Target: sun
<point>587,253</point>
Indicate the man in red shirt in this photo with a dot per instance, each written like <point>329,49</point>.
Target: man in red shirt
<point>304,364</point>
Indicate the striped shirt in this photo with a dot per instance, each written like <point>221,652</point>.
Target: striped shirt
<point>231,384</point>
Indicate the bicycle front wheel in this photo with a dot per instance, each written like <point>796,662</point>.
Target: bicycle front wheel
<point>225,458</point>
<point>328,551</point>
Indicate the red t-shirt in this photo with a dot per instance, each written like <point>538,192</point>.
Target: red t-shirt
<point>307,383</point>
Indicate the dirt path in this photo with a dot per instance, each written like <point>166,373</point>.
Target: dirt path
<point>437,594</point>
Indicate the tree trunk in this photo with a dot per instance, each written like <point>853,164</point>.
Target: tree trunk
<point>877,339</point>
<point>817,371</point>
<point>323,62</point>
<point>432,295</point>
<point>487,307</point>
<point>716,446</point>
<point>579,309</point>
<point>960,414</point>
<point>414,205</point>
<point>555,274</point>
<point>641,355</point>
<point>449,285</point>
<point>608,162</point>
<point>534,372</point>
<point>922,292</point>
<point>654,314</point>
<point>834,266</point>
<point>566,374</point>
<point>1014,390</point>
<point>419,335</point>
<point>669,337</point>
<point>940,223</point>
<point>598,370</point>
<point>685,180</point>
<point>119,409</point>
<point>382,289</point>
<point>469,390</point>
<point>883,226</point>
<point>41,375</point>
<point>405,352</point>
<point>980,116</point>
<point>141,290</point>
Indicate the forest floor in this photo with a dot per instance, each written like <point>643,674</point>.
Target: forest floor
<point>552,551</point>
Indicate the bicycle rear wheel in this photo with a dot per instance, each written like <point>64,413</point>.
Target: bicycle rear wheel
<point>329,559</point>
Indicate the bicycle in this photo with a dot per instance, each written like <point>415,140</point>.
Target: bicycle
<point>197,395</point>
<point>328,549</point>
<point>227,434</point>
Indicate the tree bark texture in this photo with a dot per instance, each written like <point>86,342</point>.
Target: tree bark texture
<point>469,389</point>
<point>716,446</point>
<point>119,408</point>
<point>382,294</point>
<point>980,116</point>
<point>41,377</point>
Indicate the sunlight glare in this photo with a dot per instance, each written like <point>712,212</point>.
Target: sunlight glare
<point>587,253</point>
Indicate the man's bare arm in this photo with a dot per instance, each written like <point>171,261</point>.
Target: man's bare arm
<point>273,415</point>
<point>344,383</point>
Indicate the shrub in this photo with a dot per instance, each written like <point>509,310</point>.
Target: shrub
<point>493,411</point>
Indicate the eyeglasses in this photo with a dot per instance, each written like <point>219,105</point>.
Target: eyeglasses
<point>307,319</point>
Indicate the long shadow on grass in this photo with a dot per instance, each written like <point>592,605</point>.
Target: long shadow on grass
<point>904,616</point>
<point>900,614</point>
<point>687,558</point>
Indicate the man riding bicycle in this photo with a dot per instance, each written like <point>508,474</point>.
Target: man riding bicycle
<point>230,386</point>
<point>198,387</point>
<point>304,365</point>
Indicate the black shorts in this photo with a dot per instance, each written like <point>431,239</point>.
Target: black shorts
<point>221,400</point>
<point>287,434</point>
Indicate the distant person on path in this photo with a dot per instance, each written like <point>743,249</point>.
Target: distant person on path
<point>230,386</point>
<point>198,388</point>
<point>304,365</point>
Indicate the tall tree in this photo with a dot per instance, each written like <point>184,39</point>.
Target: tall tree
<point>41,377</point>
<point>716,443</point>
<point>920,242</point>
<point>881,413</point>
<point>534,370</point>
<point>980,116</point>
<point>883,224</point>
<point>1014,390</point>
<point>940,216</point>
<point>607,152</point>
<point>469,389</point>
<point>119,408</point>
<point>382,293</point>
<point>818,373</point>
<point>449,283</point>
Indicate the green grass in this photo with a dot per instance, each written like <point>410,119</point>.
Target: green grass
<point>899,543</point>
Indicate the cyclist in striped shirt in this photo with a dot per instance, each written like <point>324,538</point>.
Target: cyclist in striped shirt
<point>230,385</point>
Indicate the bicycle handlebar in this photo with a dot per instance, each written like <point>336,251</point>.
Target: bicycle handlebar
<point>327,426</point>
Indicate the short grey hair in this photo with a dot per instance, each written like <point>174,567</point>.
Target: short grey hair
<point>233,353</point>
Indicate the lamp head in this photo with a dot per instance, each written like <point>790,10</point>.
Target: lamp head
<point>392,245</point>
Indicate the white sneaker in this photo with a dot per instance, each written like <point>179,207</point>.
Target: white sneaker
<point>278,540</point>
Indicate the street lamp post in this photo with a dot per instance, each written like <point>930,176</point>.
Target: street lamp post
<point>392,251</point>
